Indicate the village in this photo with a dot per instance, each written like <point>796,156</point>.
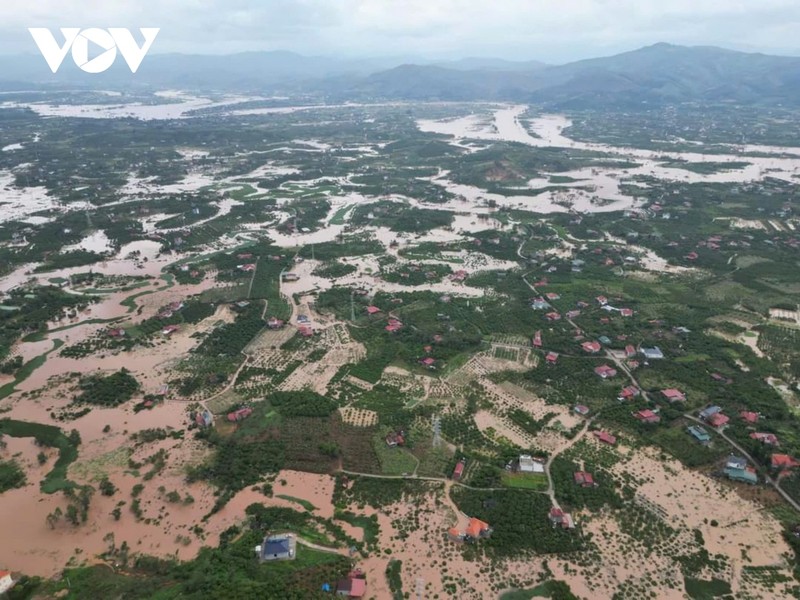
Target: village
<point>399,391</point>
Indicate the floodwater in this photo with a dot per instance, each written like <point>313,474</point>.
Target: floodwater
<point>603,183</point>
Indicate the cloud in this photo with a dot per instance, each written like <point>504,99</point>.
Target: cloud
<point>546,29</point>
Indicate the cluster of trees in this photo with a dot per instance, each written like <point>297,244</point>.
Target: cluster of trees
<point>230,339</point>
<point>108,390</point>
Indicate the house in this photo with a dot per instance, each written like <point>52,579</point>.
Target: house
<point>552,296</point>
<point>647,416</point>
<point>277,547</point>
<point>530,465</point>
<point>602,300</point>
<point>628,392</point>
<point>455,535</point>
<point>571,314</point>
<point>396,438</point>
<point>539,304</point>
<point>605,371</point>
<point>248,268</point>
<point>718,420</point>
<point>291,277</point>
<point>458,276</point>
<point>743,475</point>
<point>581,409</point>
<point>537,339</point>
<point>117,332</point>
<point>394,325</point>
<point>170,329</point>
<point>708,412</point>
<point>700,434</point>
<point>238,415</point>
<point>372,310</point>
<point>630,351</point>
<point>605,340</point>
<point>783,461</point>
<point>653,353</point>
<point>605,437</point>
<point>351,587</point>
<point>770,439</point>
<point>749,417</point>
<point>428,361</point>
<point>626,312</point>
<point>584,479</point>
<point>591,347</point>
<point>553,316</point>
<point>673,395</point>
<point>305,331</point>
<point>204,418</point>
<point>477,529</point>
<point>692,255</point>
<point>735,462</point>
<point>459,470</point>
<point>274,323</point>
<point>6,583</point>
<point>561,519</point>
<point>551,358</point>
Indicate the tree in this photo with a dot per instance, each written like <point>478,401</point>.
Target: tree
<point>107,488</point>
<point>54,517</point>
<point>72,514</point>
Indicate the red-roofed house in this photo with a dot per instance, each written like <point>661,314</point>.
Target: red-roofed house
<point>692,255</point>
<point>647,416</point>
<point>238,415</point>
<point>748,416</point>
<point>116,332</point>
<point>274,323</point>
<point>248,268</point>
<point>584,479</point>
<point>551,358</point>
<point>605,437</point>
<point>581,409</point>
<point>537,339</point>
<point>718,420</point>
<point>571,314</point>
<point>553,316</point>
<point>591,347</point>
<point>552,296</point>
<point>674,395</point>
<point>628,392</point>
<point>305,331</point>
<point>630,351</point>
<point>605,371</point>
<point>459,470</point>
<point>602,300</point>
<point>170,329</point>
<point>561,519</point>
<point>783,461</point>
<point>352,587</point>
<point>626,312</point>
<point>428,361</point>
<point>770,439</point>
<point>371,310</point>
<point>6,583</point>
<point>477,528</point>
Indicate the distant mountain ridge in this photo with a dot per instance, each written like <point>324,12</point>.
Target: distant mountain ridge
<point>657,74</point>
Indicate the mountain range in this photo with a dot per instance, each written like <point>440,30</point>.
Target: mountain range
<point>653,75</point>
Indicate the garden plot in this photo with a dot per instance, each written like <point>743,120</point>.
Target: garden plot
<point>318,374</point>
<point>731,525</point>
<point>490,423</point>
<point>359,417</point>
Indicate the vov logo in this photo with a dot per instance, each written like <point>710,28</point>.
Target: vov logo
<point>107,41</point>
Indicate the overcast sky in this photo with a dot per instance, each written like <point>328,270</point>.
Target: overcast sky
<point>550,30</point>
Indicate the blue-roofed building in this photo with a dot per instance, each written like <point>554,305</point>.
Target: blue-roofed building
<point>700,434</point>
<point>736,462</point>
<point>277,547</point>
<point>653,353</point>
<point>743,475</point>
<point>709,411</point>
<point>605,340</point>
